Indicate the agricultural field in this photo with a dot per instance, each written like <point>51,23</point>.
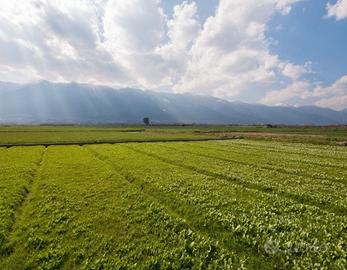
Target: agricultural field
<point>48,135</point>
<point>36,135</point>
<point>222,204</point>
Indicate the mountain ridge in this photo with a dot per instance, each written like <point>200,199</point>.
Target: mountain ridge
<point>46,102</point>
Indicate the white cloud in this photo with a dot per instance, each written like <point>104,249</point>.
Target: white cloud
<point>133,43</point>
<point>334,96</point>
<point>133,25</point>
<point>285,6</point>
<point>294,72</point>
<point>337,10</point>
<point>76,24</point>
<point>297,91</point>
<point>231,54</point>
<point>305,93</point>
<point>133,30</point>
<point>184,28</point>
<point>58,40</point>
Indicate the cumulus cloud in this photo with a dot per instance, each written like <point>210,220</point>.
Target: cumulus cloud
<point>231,54</point>
<point>134,43</point>
<point>337,10</point>
<point>133,30</point>
<point>184,28</point>
<point>305,93</point>
<point>56,40</point>
<point>292,94</point>
<point>294,72</point>
<point>334,96</point>
<point>133,26</point>
<point>285,6</point>
<point>112,42</point>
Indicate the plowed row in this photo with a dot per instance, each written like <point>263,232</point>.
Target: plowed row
<point>198,205</point>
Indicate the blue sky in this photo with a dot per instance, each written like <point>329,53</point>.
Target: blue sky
<point>206,7</point>
<point>306,35</point>
<point>275,52</point>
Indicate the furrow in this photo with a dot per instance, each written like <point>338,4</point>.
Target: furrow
<point>132,180</point>
<point>279,170</point>
<point>236,180</point>
<point>281,150</point>
<point>29,188</point>
<point>231,149</point>
<point>21,203</point>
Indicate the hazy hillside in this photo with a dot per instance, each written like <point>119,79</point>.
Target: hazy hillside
<point>46,102</point>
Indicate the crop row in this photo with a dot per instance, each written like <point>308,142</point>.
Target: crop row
<point>331,195</point>
<point>81,214</point>
<point>323,168</point>
<point>319,181</point>
<point>270,231</point>
<point>278,163</point>
<point>318,151</point>
<point>18,167</point>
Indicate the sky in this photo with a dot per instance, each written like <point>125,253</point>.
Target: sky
<point>274,52</point>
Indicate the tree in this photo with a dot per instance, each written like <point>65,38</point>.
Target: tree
<point>146,121</point>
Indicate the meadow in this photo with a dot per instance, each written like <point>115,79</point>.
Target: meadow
<point>221,204</point>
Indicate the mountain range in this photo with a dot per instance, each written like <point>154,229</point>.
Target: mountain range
<point>67,103</point>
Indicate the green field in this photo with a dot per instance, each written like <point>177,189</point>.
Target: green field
<point>34,135</point>
<point>27,135</point>
<point>231,204</point>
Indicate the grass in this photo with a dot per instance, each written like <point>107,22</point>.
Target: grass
<point>18,167</point>
<point>36,135</point>
<point>75,135</point>
<point>179,205</point>
<point>87,216</point>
